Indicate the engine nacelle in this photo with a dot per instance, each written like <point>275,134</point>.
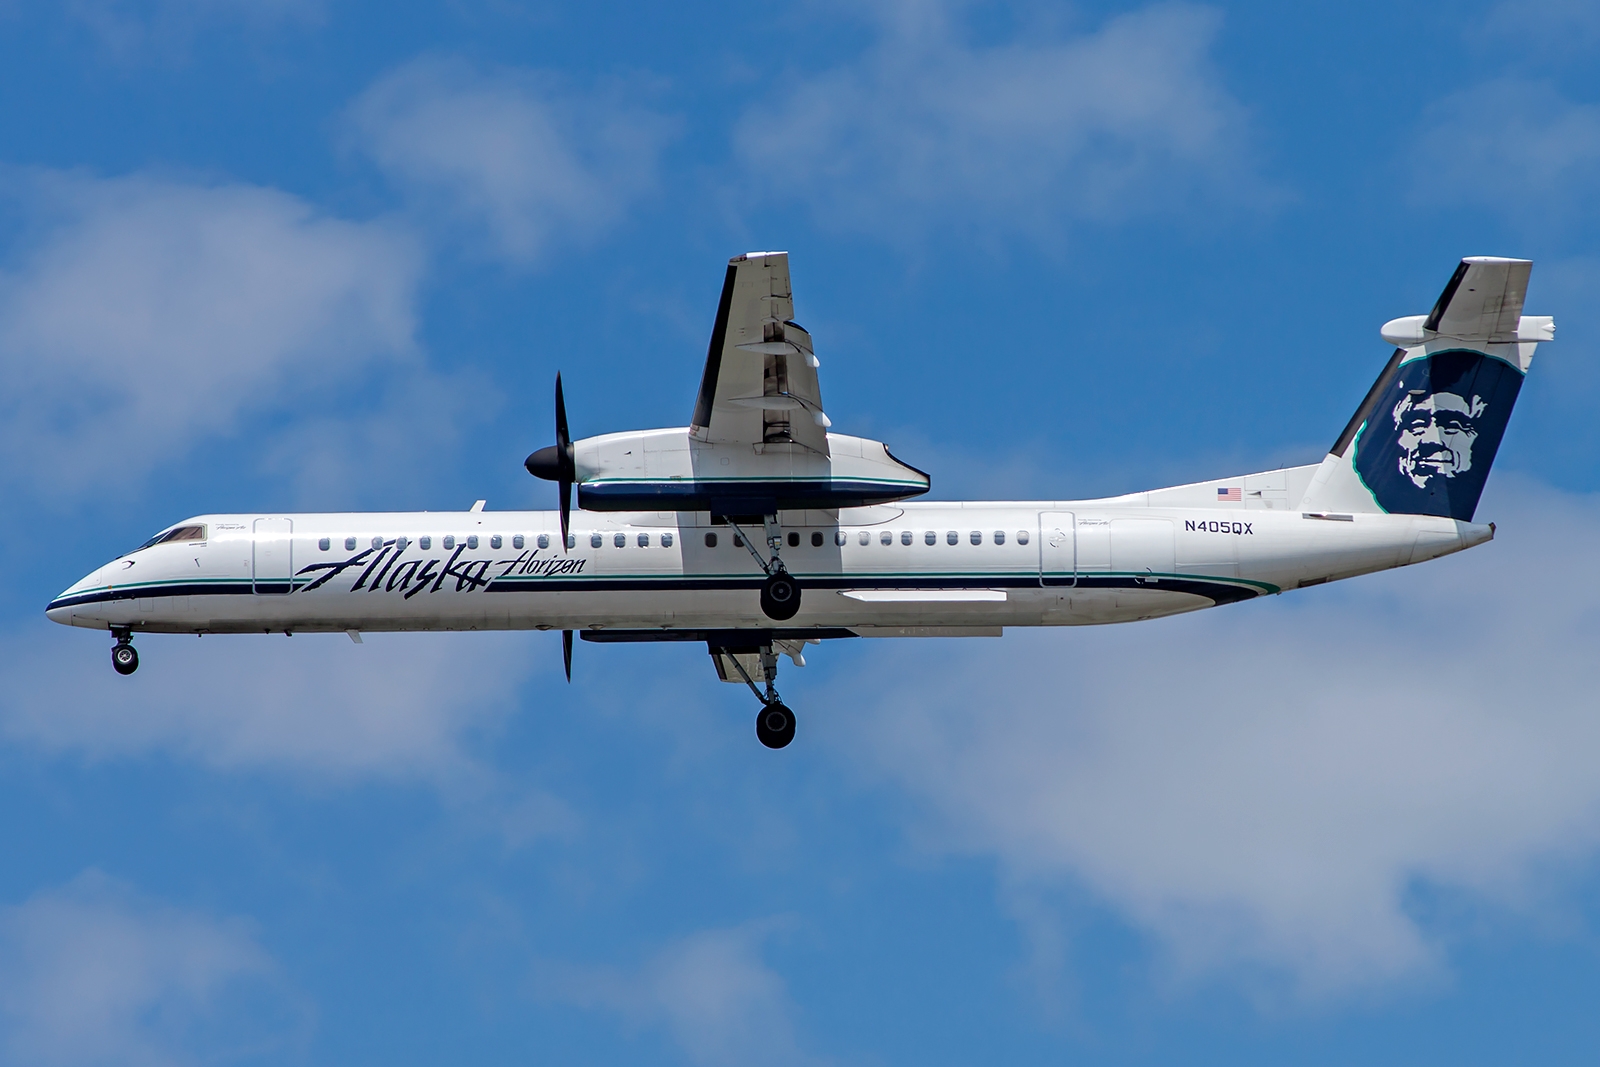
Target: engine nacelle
<point>670,470</point>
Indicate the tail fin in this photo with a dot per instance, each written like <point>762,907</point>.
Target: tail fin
<point>1422,441</point>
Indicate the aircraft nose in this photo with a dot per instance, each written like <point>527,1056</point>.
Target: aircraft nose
<point>60,609</point>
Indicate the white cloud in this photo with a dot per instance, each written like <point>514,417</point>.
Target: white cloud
<point>509,153</point>
<point>93,974</point>
<point>1514,145</point>
<point>399,706</point>
<point>927,128</point>
<point>711,991</point>
<point>1270,786</point>
<point>148,314</point>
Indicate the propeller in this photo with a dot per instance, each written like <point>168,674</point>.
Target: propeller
<point>566,653</point>
<point>554,463</point>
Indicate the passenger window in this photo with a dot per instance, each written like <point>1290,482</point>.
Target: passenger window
<point>886,537</point>
<point>999,537</point>
<point>619,539</point>
<point>666,540</point>
<point>495,542</point>
<point>572,541</point>
<point>1022,537</point>
<point>711,540</point>
<point>401,544</point>
<point>865,538</point>
<point>794,540</point>
<point>425,542</point>
<point>738,542</point>
<point>952,538</point>
<point>472,541</point>
<point>324,544</point>
<point>349,544</point>
<point>929,538</point>
<point>518,541</point>
<point>377,542</point>
<point>976,537</point>
<point>595,540</point>
<point>816,540</point>
<point>449,541</point>
<point>644,540</point>
<point>841,538</point>
<point>544,541</point>
<point>905,537</point>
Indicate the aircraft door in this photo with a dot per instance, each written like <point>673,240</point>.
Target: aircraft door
<point>1058,552</point>
<point>271,555</point>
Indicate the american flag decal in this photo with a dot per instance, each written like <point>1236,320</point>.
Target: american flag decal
<point>1230,494</point>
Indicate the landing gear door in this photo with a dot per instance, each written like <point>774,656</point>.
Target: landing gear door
<point>270,555</point>
<point>1058,554</point>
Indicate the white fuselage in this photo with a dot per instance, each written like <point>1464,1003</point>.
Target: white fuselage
<point>909,568</point>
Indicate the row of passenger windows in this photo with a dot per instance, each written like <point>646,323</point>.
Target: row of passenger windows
<point>448,541</point>
<point>885,537</point>
<point>643,540</point>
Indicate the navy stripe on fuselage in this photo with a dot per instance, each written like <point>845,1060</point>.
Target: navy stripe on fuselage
<point>105,596</point>
<point>1220,591</point>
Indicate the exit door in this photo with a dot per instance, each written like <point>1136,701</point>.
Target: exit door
<point>1058,553</point>
<point>271,555</point>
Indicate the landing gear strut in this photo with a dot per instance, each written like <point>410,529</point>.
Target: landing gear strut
<point>780,593</point>
<point>124,658</point>
<point>774,722</point>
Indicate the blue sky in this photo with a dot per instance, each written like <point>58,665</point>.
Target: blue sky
<point>304,254</point>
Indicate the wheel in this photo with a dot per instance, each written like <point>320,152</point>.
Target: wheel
<point>780,596</point>
<point>775,725</point>
<point>124,660</point>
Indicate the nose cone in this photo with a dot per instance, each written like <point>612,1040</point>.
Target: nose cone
<point>62,608</point>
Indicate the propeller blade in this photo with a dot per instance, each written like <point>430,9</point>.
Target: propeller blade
<point>563,439</point>
<point>566,510</point>
<point>566,652</point>
<point>556,463</point>
<point>567,467</point>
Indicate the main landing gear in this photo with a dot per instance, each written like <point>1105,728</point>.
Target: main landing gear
<point>124,657</point>
<point>780,593</point>
<point>774,722</point>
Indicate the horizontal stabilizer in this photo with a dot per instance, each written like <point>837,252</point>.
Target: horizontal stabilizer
<point>1481,302</point>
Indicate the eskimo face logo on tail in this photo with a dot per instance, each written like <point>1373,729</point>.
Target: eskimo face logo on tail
<point>1437,432</point>
<point>1427,447</point>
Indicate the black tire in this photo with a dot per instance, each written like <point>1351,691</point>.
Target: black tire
<point>775,725</point>
<point>780,596</point>
<point>124,659</point>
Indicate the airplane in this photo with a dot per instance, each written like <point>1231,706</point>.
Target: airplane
<point>758,531</point>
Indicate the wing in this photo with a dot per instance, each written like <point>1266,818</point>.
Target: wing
<point>760,382</point>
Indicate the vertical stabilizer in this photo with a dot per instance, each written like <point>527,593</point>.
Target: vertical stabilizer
<point>1422,441</point>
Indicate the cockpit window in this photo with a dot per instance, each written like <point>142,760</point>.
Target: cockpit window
<point>179,533</point>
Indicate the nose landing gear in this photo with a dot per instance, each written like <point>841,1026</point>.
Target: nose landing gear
<point>124,657</point>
